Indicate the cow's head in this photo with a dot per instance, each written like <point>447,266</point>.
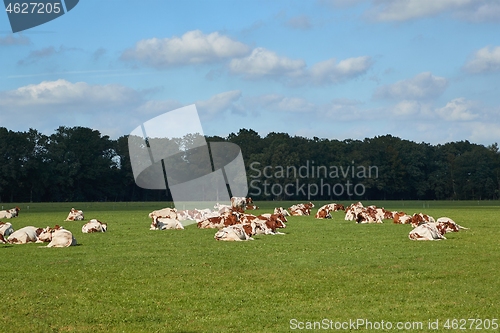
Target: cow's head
<point>45,235</point>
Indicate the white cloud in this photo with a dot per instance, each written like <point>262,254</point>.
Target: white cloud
<point>458,109</point>
<point>295,104</point>
<point>219,103</point>
<point>62,92</point>
<point>484,132</point>
<point>50,104</point>
<point>157,107</point>
<point>407,108</point>
<point>480,11</point>
<point>329,71</point>
<point>421,87</point>
<point>262,62</point>
<point>397,10</point>
<point>404,10</point>
<point>194,47</point>
<point>484,60</point>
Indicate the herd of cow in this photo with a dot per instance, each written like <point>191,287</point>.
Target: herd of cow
<point>232,222</point>
<point>55,237</point>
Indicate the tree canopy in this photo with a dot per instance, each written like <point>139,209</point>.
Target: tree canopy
<point>81,164</point>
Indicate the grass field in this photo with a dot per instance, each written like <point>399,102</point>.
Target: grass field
<point>131,279</point>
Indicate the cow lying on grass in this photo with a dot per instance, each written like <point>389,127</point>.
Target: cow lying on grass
<point>301,209</point>
<point>25,235</point>
<point>57,237</point>
<point>324,212</point>
<point>434,230</point>
<point>6,229</point>
<point>233,233</point>
<point>7,214</point>
<point>94,225</point>
<point>75,215</point>
<point>163,223</point>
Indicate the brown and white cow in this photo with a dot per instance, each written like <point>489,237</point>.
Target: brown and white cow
<point>2,240</point>
<point>352,211</point>
<point>164,223</point>
<point>25,235</point>
<point>301,209</point>
<point>401,218</point>
<point>281,210</point>
<point>324,212</point>
<point>221,221</point>
<point>451,226</point>
<point>164,212</point>
<point>268,224</point>
<point>420,218</point>
<point>232,233</point>
<point>57,237</point>
<point>75,215</point>
<point>94,225</point>
<point>239,202</point>
<point>10,213</point>
<point>6,229</point>
<point>426,231</point>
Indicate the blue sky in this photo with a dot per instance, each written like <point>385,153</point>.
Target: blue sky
<point>421,70</point>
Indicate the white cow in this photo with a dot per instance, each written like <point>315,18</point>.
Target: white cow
<point>57,237</point>
<point>234,232</point>
<point>25,235</point>
<point>451,226</point>
<point>163,223</point>
<point>75,215</point>
<point>7,214</point>
<point>6,229</point>
<point>94,225</point>
<point>426,231</point>
<point>281,210</point>
<point>164,212</point>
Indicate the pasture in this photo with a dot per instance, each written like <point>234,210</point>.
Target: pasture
<point>131,279</point>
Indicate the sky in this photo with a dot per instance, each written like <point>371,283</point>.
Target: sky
<point>422,70</point>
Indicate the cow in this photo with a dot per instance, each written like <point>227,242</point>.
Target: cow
<point>451,226</point>
<point>323,212</point>
<point>25,235</point>
<point>420,218</point>
<point>57,237</point>
<point>232,233</point>
<point>252,207</point>
<point>94,225</point>
<point>239,202</point>
<point>7,214</point>
<point>268,223</point>
<point>353,210</point>
<point>221,221</point>
<point>6,229</point>
<point>401,218</point>
<point>281,210</point>
<point>163,223</point>
<point>75,215</point>
<point>426,231</point>
<point>301,209</point>
<point>2,240</point>
<point>164,212</point>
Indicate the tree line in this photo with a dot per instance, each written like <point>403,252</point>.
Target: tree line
<point>81,164</point>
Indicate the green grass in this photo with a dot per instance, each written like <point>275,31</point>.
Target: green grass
<point>131,279</point>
